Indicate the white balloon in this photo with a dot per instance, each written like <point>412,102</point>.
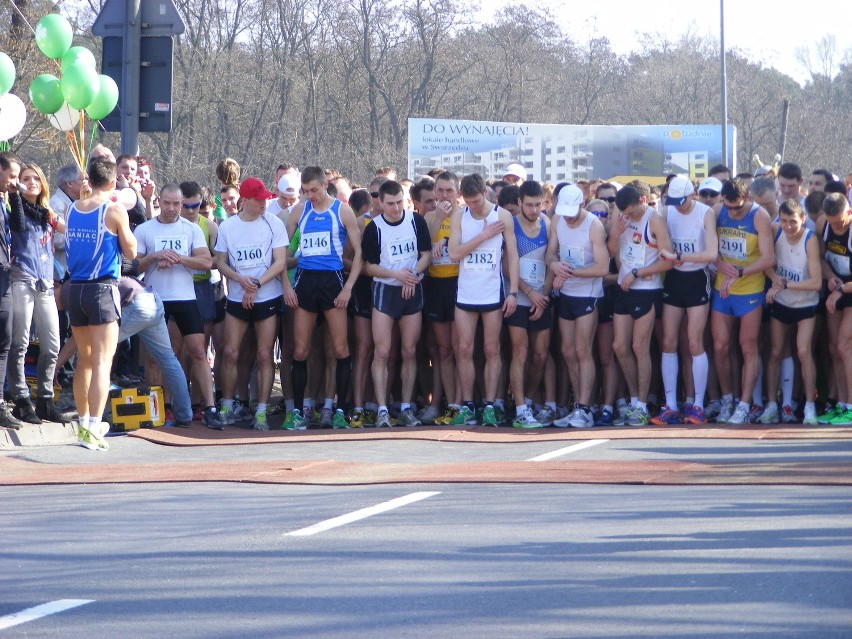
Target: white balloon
<point>65,119</point>
<point>127,197</point>
<point>13,116</point>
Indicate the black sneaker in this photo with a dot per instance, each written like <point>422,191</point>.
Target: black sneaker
<point>46,409</point>
<point>25,411</point>
<point>7,420</point>
<point>210,417</point>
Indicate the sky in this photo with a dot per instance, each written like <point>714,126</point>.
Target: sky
<point>768,33</point>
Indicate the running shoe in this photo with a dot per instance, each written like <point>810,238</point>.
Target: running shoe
<point>545,416</point>
<point>356,420</point>
<point>565,422</point>
<point>226,415</point>
<point>725,411</point>
<point>526,420</point>
<point>339,419</point>
<point>408,418</point>
<point>740,416</point>
<point>428,415</point>
<point>241,414</point>
<point>259,422</point>
<point>212,418</point>
<point>383,419</point>
<point>843,419</point>
<point>810,418</point>
<point>694,415</point>
<point>489,416</point>
<point>830,414</point>
<point>788,416</point>
<point>667,417</point>
<point>638,417</point>
<point>605,417</point>
<point>447,418</point>
<point>582,418</point>
<point>464,417</point>
<point>711,410</point>
<point>754,413</point>
<point>294,421</point>
<point>769,416</point>
<point>90,440</point>
<point>170,418</point>
<point>326,417</point>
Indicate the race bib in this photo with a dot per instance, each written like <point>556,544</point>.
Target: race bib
<point>733,248</point>
<point>177,243</point>
<point>680,245</point>
<point>402,251</point>
<point>839,263</point>
<point>532,272</point>
<point>444,259</point>
<point>789,274</point>
<point>573,255</point>
<point>633,255</point>
<point>481,260</point>
<point>249,256</point>
<point>313,244</point>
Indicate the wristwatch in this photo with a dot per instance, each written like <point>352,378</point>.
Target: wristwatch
<point>255,281</point>
<point>514,294</point>
<point>740,271</point>
<point>635,273</point>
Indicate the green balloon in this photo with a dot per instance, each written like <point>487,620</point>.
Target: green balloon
<point>105,100</point>
<point>79,85</point>
<point>53,35</point>
<point>7,73</point>
<point>46,94</point>
<point>78,55</point>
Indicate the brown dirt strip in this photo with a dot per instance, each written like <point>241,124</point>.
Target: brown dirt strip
<point>199,435</point>
<point>329,472</point>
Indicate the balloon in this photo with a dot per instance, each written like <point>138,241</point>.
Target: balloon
<point>105,100</point>
<point>79,85</point>
<point>65,118</point>
<point>13,116</point>
<point>7,73</point>
<point>127,197</point>
<point>45,94</point>
<point>78,55</point>
<point>53,35</point>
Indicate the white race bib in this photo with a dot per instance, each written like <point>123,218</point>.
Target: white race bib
<point>839,263</point>
<point>177,243</point>
<point>789,274</point>
<point>481,260</point>
<point>402,251</point>
<point>681,245</point>
<point>532,272</point>
<point>733,248</point>
<point>633,255</point>
<point>445,257</point>
<point>313,244</point>
<point>249,256</point>
<point>573,255</point>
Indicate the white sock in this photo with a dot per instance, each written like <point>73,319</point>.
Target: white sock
<point>520,408</point>
<point>757,393</point>
<point>261,408</point>
<point>787,374</point>
<point>329,403</point>
<point>744,406</point>
<point>641,405</point>
<point>700,368</point>
<point>228,403</point>
<point>308,404</point>
<point>669,368</point>
<point>607,407</point>
<point>728,398</point>
<point>499,403</point>
<point>289,405</point>
<point>404,406</point>
<point>551,406</point>
<point>382,408</point>
<point>634,401</point>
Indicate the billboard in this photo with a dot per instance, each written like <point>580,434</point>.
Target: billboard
<point>565,152</point>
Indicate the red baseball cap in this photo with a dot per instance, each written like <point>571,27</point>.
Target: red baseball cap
<point>254,189</point>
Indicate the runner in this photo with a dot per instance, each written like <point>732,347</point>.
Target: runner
<point>397,250</point>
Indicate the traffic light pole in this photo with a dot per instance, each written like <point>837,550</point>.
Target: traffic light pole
<point>130,77</point>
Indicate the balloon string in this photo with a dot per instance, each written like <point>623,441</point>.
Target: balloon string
<point>95,125</point>
<point>23,17</point>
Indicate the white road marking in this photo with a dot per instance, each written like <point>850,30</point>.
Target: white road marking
<point>37,612</point>
<point>328,524</point>
<point>568,449</point>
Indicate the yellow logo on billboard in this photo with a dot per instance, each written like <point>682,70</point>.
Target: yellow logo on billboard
<point>675,134</point>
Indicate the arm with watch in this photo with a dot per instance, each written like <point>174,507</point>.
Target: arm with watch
<point>512,261</point>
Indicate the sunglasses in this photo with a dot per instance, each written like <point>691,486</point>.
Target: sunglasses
<point>707,193</point>
<point>610,199</point>
<point>192,206</point>
<point>738,207</point>
<point>601,214</point>
<point>374,194</point>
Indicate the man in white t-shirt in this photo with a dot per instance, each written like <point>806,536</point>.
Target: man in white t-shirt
<point>170,249</point>
<point>251,252</point>
<point>289,187</point>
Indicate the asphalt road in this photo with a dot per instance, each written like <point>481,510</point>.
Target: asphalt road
<point>218,560</point>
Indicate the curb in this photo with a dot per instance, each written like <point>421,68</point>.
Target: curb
<point>46,434</point>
